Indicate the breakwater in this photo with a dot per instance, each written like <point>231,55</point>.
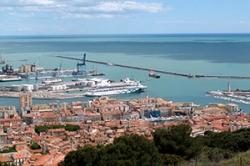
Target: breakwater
<point>158,71</point>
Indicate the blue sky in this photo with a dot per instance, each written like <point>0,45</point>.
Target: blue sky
<point>57,17</point>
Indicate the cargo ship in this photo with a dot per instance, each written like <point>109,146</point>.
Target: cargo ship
<point>32,72</point>
<point>152,74</point>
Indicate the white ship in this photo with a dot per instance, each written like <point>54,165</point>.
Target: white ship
<point>111,88</point>
<point>51,80</point>
<point>8,78</point>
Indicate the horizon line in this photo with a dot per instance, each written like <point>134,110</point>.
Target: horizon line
<point>127,34</point>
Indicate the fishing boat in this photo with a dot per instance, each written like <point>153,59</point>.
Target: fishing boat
<point>153,74</point>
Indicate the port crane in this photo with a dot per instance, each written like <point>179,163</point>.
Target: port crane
<point>2,61</point>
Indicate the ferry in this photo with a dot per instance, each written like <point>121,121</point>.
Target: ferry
<point>8,78</point>
<point>112,88</point>
<point>152,74</point>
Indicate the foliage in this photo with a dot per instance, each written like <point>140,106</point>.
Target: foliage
<point>35,146</point>
<point>176,140</point>
<point>12,149</point>
<point>233,141</point>
<point>171,159</point>
<point>125,151</point>
<point>171,146</point>
<point>71,127</point>
<point>68,127</point>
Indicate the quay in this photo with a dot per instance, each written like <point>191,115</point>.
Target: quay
<point>158,71</point>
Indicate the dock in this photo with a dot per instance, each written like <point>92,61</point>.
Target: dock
<point>158,71</point>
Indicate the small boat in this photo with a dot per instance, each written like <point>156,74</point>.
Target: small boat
<point>110,64</point>
<point>98,74</point>
<point>152,74</point>
<point>8,78</point>
<point>79,79</point>
<point>51,80</point>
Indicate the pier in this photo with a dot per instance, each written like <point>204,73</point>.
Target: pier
<point>158,71</point>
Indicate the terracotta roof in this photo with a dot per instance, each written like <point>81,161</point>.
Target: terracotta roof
<point>43,160</point>
<point>37,138</point>
<point>5,158</point>
<point>18,155</point>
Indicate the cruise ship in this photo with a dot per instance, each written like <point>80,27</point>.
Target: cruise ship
<point>125,86</point>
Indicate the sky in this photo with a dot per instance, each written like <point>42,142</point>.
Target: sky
<point>69,17</point>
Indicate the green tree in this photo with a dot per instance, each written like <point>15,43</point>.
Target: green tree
<point>130,150</point>
<point>71,127</point>
<point>171,159</point>
<point>86,156</point>
<point>174,140</point>
<point>35,146</point>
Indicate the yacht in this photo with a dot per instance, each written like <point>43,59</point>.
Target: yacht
<point>125,86</point>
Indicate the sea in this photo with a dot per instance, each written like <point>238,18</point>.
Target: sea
<point>203,54</point>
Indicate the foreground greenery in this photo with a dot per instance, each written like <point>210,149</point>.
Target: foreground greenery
<point>171,146</point>
<point>68,127</point>
<point>12,149</point>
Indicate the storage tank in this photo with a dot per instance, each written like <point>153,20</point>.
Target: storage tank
<point>56,88</point>
<point>16,88</point>
<point>53,88</point>
<point>59,87</point>
<point>33,68</point>
<point>64,87</point>
<point>27,87</point>
<point>21,69</point>
<point>35,87</point>
<point>3,68</point>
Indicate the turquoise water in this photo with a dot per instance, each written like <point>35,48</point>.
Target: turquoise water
<point>210,54</point>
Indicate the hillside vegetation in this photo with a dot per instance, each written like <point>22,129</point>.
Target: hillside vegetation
<point>171,146</point>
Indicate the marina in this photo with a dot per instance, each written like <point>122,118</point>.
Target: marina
<point>235,96</point>
<point>155,53</point>
<point>57,89</point>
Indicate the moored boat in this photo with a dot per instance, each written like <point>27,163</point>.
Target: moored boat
<point>153,74</point>
<point>8,78</point>
<point>51,80</point>
<point>112,88</point>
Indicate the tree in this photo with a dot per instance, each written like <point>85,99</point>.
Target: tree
<point>35,146</point>
<point>71,127</point>
<point>174,140</point>
<point>86,156</point>
<point>130,150</point>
